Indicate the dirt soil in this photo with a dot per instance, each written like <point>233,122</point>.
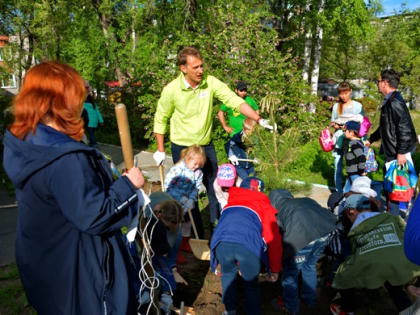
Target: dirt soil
<point>204,294</point>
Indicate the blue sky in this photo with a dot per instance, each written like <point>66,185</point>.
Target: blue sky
<point>390,5</point>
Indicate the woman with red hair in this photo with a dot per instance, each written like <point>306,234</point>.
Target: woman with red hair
<point>70,251</point>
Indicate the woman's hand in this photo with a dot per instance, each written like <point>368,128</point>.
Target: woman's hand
<point>135,176</point>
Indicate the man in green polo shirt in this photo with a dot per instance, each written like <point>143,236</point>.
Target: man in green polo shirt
<point>236,119</point>
<point>187,102</point>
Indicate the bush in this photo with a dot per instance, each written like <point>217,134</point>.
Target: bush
<point>5,120</point>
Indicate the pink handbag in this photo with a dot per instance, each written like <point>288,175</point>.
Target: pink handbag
<point>364,126</point>
<point>326,140</point>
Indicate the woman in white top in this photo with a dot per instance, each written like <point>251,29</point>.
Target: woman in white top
<point>345,109</point>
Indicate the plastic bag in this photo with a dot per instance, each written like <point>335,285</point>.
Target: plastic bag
<point>326,141</point>
<point>400,181</point>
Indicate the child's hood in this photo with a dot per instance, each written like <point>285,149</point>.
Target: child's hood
<point>379,221</point>
<point>248,198</point>
<point>22,158</point>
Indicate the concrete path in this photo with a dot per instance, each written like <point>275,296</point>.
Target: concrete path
<point>319,194</point>
<point>8,219</point>
<point>142,159</point>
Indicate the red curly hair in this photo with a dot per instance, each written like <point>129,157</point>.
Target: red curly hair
<point>51,92</point>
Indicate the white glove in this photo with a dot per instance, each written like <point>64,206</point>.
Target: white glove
<point>234,159</point>
<point>265,123</point>
<point>159,157</point>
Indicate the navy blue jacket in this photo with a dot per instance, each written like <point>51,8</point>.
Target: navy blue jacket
<point>412,234</point>
<point>70,251</point>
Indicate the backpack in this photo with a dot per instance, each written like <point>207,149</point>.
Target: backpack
<point>364,126</point>
<point>371,164</point>
<point>326,140</point>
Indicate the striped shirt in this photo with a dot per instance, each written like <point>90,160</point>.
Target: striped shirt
<point>355,158</point>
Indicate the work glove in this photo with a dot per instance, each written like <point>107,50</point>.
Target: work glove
<point>187,203</point>
<point>159,157</point>
<point>265,123</point>
<point>234,159</point>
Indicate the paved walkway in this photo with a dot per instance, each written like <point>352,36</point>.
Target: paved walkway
<point>142,159</point>
<point>8,219</point>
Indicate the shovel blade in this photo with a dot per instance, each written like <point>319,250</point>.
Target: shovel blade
<point>200,248</point>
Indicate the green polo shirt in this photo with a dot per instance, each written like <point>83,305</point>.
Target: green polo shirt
<point>236,119</point>
<point>190,110</point>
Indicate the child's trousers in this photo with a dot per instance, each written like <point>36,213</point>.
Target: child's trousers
<point>304,261</point>
<point>230,255</point>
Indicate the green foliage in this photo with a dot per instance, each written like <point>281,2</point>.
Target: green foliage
<point>311,164</point>
<point>5,121</point>
<point>348,28</point>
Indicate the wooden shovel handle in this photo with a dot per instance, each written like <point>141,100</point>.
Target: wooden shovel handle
<point>192,222</point>
<point>161,177</point>
<point>125,137</point>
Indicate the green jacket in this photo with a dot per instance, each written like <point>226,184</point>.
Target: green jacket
<point>236,119</point>
<point>94,115</point>
<point>190,110</point>
<point>377,255</point>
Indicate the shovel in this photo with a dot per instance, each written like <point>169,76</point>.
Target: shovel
<point>199,247</point>
<point>256,161</point>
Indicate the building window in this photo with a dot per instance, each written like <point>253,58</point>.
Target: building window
<point>9,82</point>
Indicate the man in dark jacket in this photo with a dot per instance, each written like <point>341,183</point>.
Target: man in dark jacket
<point>304,225</point>
<point>396,129</point>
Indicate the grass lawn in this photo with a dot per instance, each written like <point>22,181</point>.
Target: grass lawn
<point>12,296</point>
<point>312,165</point>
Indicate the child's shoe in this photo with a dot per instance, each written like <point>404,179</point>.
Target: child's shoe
<point>278,304</point>
<point>336,310</point>
<point>180,259</point>
<point>185,245</point>
<point>165,303</point>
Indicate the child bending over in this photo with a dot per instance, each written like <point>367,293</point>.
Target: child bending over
<point>246,234</point>
<point>377,256</point>
<point>226,176</point>
<point>164,231</point>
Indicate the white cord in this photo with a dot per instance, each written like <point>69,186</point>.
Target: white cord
<point>150,283</point>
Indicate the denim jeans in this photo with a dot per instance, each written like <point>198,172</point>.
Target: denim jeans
<point>209,176</point>
<point>304,261</point>
<point>349,182</point>
<point>91,136</point>
<point>338,171</point>
<point>163,266</point>
<point>244,172</point>
<point>229,256</point>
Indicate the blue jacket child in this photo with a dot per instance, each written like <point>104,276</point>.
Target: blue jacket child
<point>236,148</point>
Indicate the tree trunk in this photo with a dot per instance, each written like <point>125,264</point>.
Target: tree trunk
<point>105,22</point>
<point>190,14</point>
<point>308,45</point>
<point>307,56</point>
<point>317,53</point>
